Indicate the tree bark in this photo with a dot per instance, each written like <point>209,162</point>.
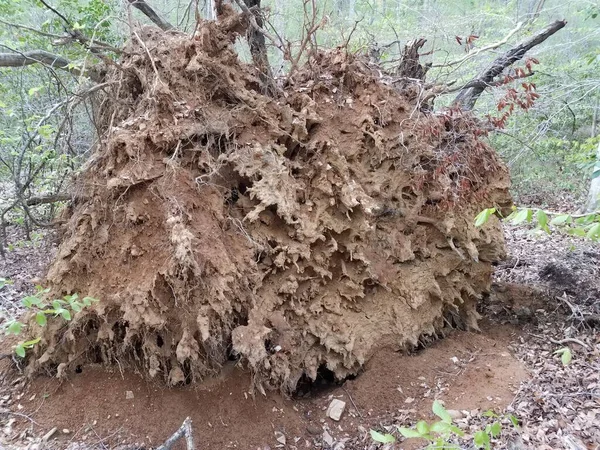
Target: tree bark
<point>258,47</point>
<point>45,58</point>
<point>469,95</point>
<point>147,10</point>
<point>593,202</point>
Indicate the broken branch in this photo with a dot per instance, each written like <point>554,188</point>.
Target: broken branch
<point>45,199</point>
<point>468,96</point>
<point>147,10</point>
<point>45,58</point>
<point>185,430</point>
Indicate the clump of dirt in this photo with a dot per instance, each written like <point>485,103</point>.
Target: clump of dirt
<point>295,232</point>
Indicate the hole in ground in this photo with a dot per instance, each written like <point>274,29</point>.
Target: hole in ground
<point>325,382</point>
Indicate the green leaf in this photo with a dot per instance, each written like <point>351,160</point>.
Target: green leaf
<point>382,438</point>
<point>57,304</point>
<point>20,351</point>
<point>409,432</point>
<point>484,216</point>
<point>40,318</point>
<point>542,218</point>
<point>30,344</point>
<point>565,355</point>
<point>481,439</point>
<point>34,90</point>
<point>495,429</point>
<point>422,427</point>
<point>513,420</point>
<point>440,411</point>
<point>64,313</point>
<point>2,282</point>
<point>14,327</point>
<point>578,231</point>
<point>490,413</point>
<point>71,298</point>
<point>30,301</point>
<point>561,220</point>
<point>520,217</point>
<point>457,431</point>
<point>594,231</point>
<point>76,306</point>
<point>440,427</point>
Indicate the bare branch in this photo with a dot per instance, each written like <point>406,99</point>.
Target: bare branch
<point>147,10</point>
<point>184,431</point>
<point>486,48</point>
<point>45,58</point>
<point>45,199</point>
<point>467,97</point>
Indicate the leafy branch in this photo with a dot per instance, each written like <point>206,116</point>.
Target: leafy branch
<point>63,308</point>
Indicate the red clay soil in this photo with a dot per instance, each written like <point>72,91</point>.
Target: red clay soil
<point>466,370</point>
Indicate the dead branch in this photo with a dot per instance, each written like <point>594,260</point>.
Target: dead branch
<point>468,96</point>
<point>486,48</point>
<point>410,67</point>
<point>147,10</point>
<point>46,199</point>
<point>45,58</point>
<point>185,430</point>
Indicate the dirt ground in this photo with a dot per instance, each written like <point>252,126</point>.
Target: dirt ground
<point>508,367</point>
<point>467,370</point>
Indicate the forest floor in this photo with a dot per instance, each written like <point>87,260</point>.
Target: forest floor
<point>545,297</point>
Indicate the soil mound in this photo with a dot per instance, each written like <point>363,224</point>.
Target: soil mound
<point>295,232</point>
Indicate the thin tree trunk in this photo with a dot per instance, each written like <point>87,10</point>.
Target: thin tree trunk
<point>279,24</point>
<point>593,203</point>
<point>258,48</point>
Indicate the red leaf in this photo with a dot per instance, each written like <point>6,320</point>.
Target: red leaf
<point>471,38</point>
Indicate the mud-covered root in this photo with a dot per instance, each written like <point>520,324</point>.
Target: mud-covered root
<point>295,233</point>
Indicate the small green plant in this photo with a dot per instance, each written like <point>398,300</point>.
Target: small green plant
<point>43,310</point>
<point>586,225</point>
<point>565,355</point>
<point>441,433</point>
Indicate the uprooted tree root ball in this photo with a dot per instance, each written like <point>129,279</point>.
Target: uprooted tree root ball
<point>298,231</point>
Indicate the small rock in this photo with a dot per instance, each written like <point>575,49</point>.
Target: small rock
<point>314,430</point>
<point>129,395</point>
<point>66,431</point>
<point>49,434</point>
<point>409,400</point>
<point>455,414</point>
<point>327,438</point>
<point>336,409</point>
<point>280,437</point>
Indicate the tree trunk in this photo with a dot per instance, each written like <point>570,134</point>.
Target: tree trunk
<point>258,48</point>
<point>593,203</point>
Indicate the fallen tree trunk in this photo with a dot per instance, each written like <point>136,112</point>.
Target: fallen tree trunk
<point>298,233</point>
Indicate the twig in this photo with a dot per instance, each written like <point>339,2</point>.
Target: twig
<point>571,340</point>
<point>474,53</point>
<point>352,401</point>
<point>25,416</point>
<point>185,430</point>
<point>561,341</point>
